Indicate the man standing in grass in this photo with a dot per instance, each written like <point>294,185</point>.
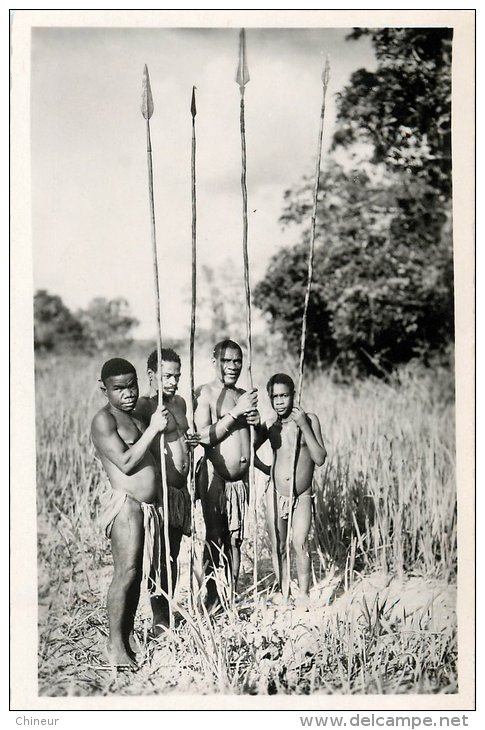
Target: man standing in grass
<point>123,443</point>
<point>289,424</point>
<point>177,443</point>
<point>223,415</point>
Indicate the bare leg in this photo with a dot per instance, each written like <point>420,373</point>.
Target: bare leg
<point>159,603</point>
<point>302,517</point>
<point>127,538</point>
<point>235,559</point>
<point>218,544</point>
<point>277,529</point>
<point>234,564</point>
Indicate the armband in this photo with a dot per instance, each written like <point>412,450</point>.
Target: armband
<point>234,418</point>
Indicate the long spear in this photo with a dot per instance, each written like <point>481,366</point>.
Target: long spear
<point>147,111</point>
<point>242,78</point>
<point>193,111</point>
<point>316,187</point>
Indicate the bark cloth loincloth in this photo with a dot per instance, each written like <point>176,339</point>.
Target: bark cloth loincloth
<point>234,496</point>
<point>283,502</point>
<point>111,502</point>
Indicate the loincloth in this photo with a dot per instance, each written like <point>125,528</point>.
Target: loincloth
<point>179,508</point>
<point>233,499</point>
<point>283,501</point>
<point>111,503</point>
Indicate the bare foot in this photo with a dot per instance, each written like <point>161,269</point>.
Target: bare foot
<point>119,658</point>
<point>286,594</point>
<point>134,644</point>
<point>282,597</point>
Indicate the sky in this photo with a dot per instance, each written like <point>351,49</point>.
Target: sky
<point>90,207</point>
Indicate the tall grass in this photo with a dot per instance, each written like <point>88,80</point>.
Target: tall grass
<point>384,502</point>
<point>386,497</point>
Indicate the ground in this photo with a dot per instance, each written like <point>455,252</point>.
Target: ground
<point>375,634</point>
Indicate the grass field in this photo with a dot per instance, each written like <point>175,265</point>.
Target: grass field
<point>382,616</point>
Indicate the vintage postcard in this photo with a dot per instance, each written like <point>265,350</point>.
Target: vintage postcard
<point>242,302</point>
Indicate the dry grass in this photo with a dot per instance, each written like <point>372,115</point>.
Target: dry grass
<point>384,556</point>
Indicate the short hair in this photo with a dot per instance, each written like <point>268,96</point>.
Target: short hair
<point>282,379</point>
<point>116,366</point>
<point>168,355</point>
<point>224,345</point>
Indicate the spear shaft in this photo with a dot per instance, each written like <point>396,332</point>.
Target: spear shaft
<point>242,78</point>
<point>193,111</point>
<point>311,251</point>
<point>316,187</point>
<point>147,111</point>
<point>247,287</point>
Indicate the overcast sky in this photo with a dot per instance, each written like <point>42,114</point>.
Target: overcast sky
<point>91,226</point>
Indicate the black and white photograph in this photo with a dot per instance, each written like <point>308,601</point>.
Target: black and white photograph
<point>242,297</point>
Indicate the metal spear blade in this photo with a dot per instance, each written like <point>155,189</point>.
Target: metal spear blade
<point>242,75</point>
<point>146,96</point>
<point>193,108</point>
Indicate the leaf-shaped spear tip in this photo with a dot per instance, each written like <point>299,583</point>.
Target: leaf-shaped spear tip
<point>242,75</point>
<point>146,96</point>
<point>193,108</point>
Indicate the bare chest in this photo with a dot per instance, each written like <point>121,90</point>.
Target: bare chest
<point>128,430</point>
<point>177,421</point>
<point>282,436</point>
<point>222,402</point>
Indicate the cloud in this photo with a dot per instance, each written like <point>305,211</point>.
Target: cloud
<point>91,227</point>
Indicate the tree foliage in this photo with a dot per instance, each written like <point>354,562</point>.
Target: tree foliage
<point>108,322</point>
<point>103,324</point>
<point>55,327</point>
<point>221,308</point>
<point>403,108</point>
<point>383,274</point>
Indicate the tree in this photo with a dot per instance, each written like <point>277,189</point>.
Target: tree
<point>383,281</point>
<point>55,327</point>
<point>403,109</point>
<point>378,298</point>
<point>221,309</point>
<point>108,322</point>
<point>211,301</point>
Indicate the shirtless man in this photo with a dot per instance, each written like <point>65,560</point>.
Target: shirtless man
<point>223,415</point>
<point>123,446</point>
<point>288,423</point>
<point>177,443</point>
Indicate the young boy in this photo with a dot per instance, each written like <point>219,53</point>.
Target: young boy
<point>123,446</point>
<point>177,443</point>
<point>289,423</point>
